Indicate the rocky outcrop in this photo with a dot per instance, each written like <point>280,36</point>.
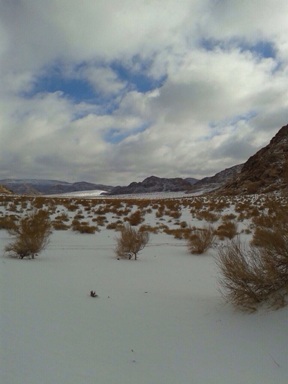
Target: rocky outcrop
<point>218,180</point>
<point>266,171</point>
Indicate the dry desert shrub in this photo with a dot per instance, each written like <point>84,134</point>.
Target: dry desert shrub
<point>228,229</point>
<point>83,227</point>
<point>255,276</point>
<point>201,240</point>
<point>71,206</point>
<point>8,222</point>
<point>196,205</point>
<point>135,218</point>
<point>207,216</point>
<point>176,214</point>
<point>62,217</point>
<point>115,225</point>
<point>100,220</point>
<point>130,242</point>
<point>179,233</point>
<point>13,206</point>
<point>219,204</point>
<point>229,217</point>
<point>160,211</point>
<point>79,215</point>
<point>39,202</point>
<point>148,228</point>
<point>31,235</point>
<point>58,225</point>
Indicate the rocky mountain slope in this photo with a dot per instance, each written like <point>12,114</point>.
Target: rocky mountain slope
<point>218,180</point>
<point>49,187</point>
<point>266,171</point>
<point>153,184</point>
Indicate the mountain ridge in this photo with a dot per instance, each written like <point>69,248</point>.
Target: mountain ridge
<point>265,171</point>
<point>49,187</point>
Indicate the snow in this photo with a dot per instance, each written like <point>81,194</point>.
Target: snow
<point>157,320</point>
<point>84,194</point>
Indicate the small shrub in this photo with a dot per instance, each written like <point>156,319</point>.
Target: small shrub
<point>114,225</point>
<point>8,223</point>
<point>179,233</point>
<point>207,216</point>
<point>83,227</point>
<point>174,214</point>
<point>201,240</point>
<point>100,220</point>
<point>130,242</point>
<point>228,229</point>
<point>60,226</point>
<point>31,235</point>
<point>135,218</point>
<point>62,217</point>
<point>148,228</point>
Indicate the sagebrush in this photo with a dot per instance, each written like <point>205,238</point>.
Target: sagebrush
<point>201,240</point>
<point>255,275</point>
<point>130,242</point>
<point>30,235</point>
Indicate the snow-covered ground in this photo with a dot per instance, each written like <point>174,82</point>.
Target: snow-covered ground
<point>157,320</point>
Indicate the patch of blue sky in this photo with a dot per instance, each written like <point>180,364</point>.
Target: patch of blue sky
<point>78,90</point>
<point>116,135</point>
<point>137,75</point>
<point>217,126</point>
<point>262,48</point>
<point>74,88</point>
<point>249,115</point>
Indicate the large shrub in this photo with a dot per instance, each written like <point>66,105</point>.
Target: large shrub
<point>130,242</point>
<point>30,235</point>
<point>255,275</point>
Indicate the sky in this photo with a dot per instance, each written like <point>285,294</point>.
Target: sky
<point>113,91</point>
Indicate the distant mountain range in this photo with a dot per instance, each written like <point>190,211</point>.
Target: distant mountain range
<point>158,184</point>
<point>266,171</point>
<point>153,184</point>
<point>49,187</point>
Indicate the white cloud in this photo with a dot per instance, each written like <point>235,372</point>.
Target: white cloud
<point>217,105</point>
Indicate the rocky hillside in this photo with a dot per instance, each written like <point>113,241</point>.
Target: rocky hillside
<point>218,180</point>
<point>153,184</point>
<point>4,191</point>
<point>266,171</point>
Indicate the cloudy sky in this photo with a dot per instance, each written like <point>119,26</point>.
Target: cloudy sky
<point>113,91</point>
